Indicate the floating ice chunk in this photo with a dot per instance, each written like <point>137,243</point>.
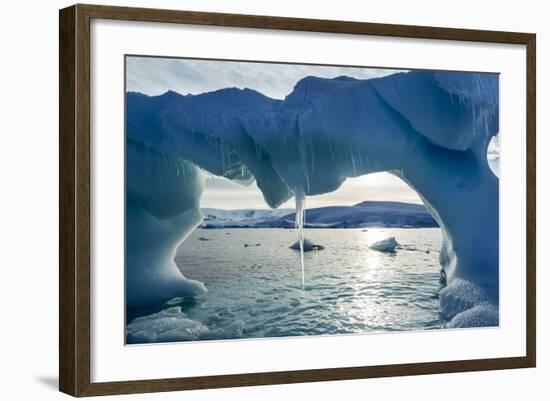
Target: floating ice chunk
<point>172,324</point>
<point>232,330</point>
<point>167,325</point>
<point>386,245</point>
<point>308,246</point>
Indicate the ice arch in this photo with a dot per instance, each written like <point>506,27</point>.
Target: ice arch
<point>431,129</point>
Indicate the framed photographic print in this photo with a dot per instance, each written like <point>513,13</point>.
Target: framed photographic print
<point>250,200</point>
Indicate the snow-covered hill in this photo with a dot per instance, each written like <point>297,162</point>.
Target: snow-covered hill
<point>221,218</point>
<point>364,214</point>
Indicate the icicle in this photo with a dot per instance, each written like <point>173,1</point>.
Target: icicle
<point>299,221</point>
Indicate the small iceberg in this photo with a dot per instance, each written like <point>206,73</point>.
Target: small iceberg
<point>386,245</point>
<point>308,246</point>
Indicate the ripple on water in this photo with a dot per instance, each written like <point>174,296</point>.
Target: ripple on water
<point>256,291</point>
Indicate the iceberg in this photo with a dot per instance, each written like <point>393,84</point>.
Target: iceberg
<point>307,246</point>
<point>430,129</point>
<point>386,245</point>
<point>162,209</point>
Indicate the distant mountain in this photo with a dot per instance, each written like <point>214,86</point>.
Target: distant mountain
<point>364,214</point>
<point>245,218</point>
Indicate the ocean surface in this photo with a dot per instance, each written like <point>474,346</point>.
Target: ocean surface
<point>255,290</point>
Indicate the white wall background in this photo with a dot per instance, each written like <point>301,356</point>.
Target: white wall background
<point>28,200</point>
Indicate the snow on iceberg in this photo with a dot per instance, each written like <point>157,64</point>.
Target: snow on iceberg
<point>431,129</point>
<point>386,245</point>
<point>482,315</point>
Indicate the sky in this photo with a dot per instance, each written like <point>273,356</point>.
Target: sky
<point>154,76</point>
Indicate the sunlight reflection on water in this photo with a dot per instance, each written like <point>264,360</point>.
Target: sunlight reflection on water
<point>253,277</point>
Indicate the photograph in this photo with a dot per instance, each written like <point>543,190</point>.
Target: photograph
<point>272,199</point>
<point>258,199</point>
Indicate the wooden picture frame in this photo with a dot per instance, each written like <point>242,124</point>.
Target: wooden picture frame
<point>74,199</point>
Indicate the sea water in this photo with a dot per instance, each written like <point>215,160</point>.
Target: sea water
<point>254,283</point>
